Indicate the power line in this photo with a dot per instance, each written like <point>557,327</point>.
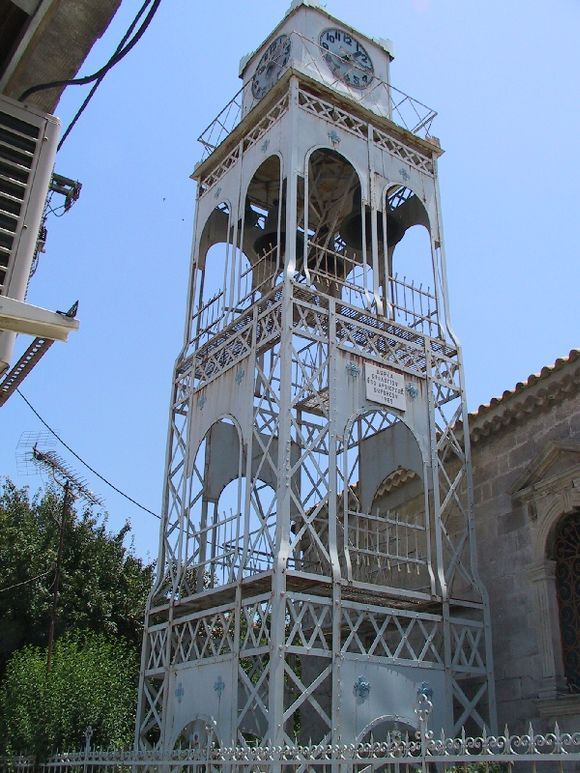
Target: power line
<point>82,461</point>
<point>117,56</point>
<point>25,582</point>
<point>91,93</point>
<point>120,52</point>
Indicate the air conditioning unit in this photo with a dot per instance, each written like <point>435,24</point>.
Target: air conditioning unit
<point>28,144</point>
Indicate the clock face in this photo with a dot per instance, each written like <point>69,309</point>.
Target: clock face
<point>270,67</point>
<point>347,58</point>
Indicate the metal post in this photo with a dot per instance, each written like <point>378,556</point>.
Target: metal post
<point>87,750</point>
<point>423,711</point>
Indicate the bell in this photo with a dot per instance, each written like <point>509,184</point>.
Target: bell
<point>268,239</point>
<point>351,227</point>
<point>324,261</point>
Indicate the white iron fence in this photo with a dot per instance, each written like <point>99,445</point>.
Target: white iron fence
<point>531,751</point>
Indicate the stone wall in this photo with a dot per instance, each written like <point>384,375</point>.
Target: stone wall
<point>510,463</point>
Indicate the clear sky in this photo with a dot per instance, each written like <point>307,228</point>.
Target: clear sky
<point>504,77</point>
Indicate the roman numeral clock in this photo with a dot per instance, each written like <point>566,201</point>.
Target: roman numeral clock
<point>316,564</point>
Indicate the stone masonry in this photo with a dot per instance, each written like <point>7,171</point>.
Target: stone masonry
<point>526,467</point>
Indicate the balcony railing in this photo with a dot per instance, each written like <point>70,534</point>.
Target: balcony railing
<point>387,101</point>
<point>385,543</point>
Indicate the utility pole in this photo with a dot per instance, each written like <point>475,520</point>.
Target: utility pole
<point>71,485</point>
<point>56,592</point>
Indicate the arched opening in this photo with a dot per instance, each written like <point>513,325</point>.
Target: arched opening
<point>262,229</point>
<point>391,729</point>
<point>234,520</point>
<point>199,736</point>
<point>390,725</point>
<point>384,505</point>
<point>409,261</point>
<point>260,529</point>
<point>214,266</point>
<point>566,552</point>
<point>336,254</point>
<point>214,542</point>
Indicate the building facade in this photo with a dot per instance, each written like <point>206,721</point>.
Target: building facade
<point>526,462</point>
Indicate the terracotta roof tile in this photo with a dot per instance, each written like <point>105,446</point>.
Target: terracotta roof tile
<point>536,393</point>
<point>521,386</point>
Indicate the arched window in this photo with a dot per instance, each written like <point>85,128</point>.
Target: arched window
<point>382,497</point>
<point>551,500</point>
<point>567,555</point>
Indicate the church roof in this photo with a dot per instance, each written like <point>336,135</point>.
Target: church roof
<point>538,391</point>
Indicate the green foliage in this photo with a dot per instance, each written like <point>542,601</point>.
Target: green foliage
<point>103,585</point>
<point>92,681</point>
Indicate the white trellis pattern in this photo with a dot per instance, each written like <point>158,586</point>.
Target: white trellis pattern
<point>393,634</point>
<point>411,156</point>
<point>203,636</point>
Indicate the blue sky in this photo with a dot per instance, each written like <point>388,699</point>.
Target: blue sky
<point>504,78</point>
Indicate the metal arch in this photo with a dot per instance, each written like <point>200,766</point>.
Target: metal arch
<point>411,724</point>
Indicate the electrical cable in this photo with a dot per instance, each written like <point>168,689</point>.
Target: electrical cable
<point>82,461</point>
<point>100,79</point>
<point>121,51</point>
<point>24,582</point>
<point>117,56</point>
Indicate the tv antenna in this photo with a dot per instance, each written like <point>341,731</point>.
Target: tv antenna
<point>72,487</point>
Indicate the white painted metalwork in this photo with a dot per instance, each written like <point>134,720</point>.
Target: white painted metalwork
<point>316,561</point>
<point>400,751</point>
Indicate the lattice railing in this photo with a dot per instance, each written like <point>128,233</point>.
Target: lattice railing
<point>378,339</point>
<point>203,636</point>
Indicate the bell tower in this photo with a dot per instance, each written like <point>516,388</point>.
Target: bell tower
<point>316,562</point>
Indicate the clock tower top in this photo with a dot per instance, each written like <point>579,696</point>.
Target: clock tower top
<point>316,44</point>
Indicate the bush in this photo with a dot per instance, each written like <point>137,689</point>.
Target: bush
<point>92,681</point>
<point>103,585</point>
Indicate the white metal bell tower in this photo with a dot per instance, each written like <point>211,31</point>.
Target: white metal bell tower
<point>316,563</point>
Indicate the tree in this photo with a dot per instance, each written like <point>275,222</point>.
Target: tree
<point>103,585</point>
<point>92,681</point>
